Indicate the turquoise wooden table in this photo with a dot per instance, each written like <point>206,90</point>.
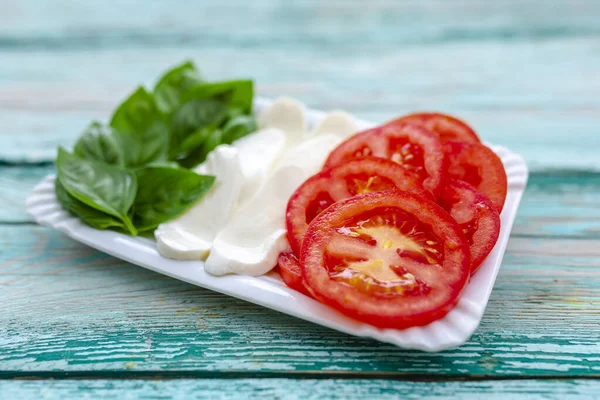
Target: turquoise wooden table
<point>75,322</point>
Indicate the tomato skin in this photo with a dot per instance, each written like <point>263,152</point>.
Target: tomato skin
<point>382,142</point>
<point>476,214</point>
<point>479,166</point>
<point>330,185</point>
<point>397,312</point>
<point>291,273</point>
<point>447,127</point>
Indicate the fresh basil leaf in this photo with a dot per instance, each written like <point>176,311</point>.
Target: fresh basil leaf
<point>147,147</point>
<point>202,142</point>
<point>106,188</point>
<point>92,217</point>
<point>141,130</point>
<point>98,143</point>
<point>195,140</point>
<point>238,127</point>
<point>236,93</point>
<point>197,117</point>
<point>166,164</point>
<point>164,193</point>
<point>195,144</point>
<point>214,139</point>
<point>173,84</point>
<point>136,113</point>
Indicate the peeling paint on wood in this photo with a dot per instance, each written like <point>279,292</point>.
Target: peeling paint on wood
<point>81,310</point>
<point>526,76</point>
<point>302,389</point>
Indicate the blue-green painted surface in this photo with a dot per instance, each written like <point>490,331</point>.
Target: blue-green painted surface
<point>301,389</point>
<point>526,75</point>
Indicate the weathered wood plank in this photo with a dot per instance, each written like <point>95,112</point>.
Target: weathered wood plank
<point>16,183</point>
<point>520,80</point>
<point>300,389</point>
<point>554,204</point>
<point>506,92</point>
<point>35,23</point>
<point>560,204</point>
<point>67,307</point>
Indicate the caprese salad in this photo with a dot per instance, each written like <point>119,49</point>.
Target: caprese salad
<point>386,224</point>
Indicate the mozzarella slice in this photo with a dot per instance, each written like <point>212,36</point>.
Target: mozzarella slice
<point>257,153</point>
<point>311,154</point>
<point>338,123</point>
<point>288,115</point>
<point>190,236</point>
<point>251,242</point>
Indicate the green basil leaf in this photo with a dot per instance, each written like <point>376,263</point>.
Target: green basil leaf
<point>195,140</point>
<point>197,117</point>
<point>214,139</point>
<point>203,141</point>
<point>92,217</point>
<point>173,84</point>
<point>166,164</point>
<point>164,193</point>
<point>236,93</point>
<point>238,127</point>
<point>98,143</point>
<point>136,113</point>
<point>106,188</point>
<point>147,147</point>
<point>141,130</point>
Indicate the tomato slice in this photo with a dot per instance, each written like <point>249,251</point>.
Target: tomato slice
<point>291,273</point>
<point>480,166</point>
<point>416,149</point>
<point>476,215</point>
<point>365,175</point>
<point>391,259</point>
<point>448,127</point>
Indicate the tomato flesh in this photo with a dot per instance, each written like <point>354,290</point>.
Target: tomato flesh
<point>291,273</point>
<point>416,149</point>
<point>390,258</point>
<point>446,126</point>
<point>365,175</point>
<point>479,166</point>
<point>379,274</point>
<point>477,217</point>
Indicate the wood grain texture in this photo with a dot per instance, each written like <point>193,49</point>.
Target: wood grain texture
<point>525,75</point>
<point>161,22</point>
<point>521,76</point>
<point>67,307</point>
<point>300,389</point>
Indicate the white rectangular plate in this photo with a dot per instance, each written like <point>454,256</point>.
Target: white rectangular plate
<point>269,291</point>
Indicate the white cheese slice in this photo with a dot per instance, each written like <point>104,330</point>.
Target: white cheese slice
<point>287,115</point>
<point>338,123</point>
<point>190,236</point>
<point>251,242</point>
<point>257,154</point>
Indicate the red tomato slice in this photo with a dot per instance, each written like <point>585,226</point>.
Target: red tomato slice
<point>480,166</point>
<point>391,259</point>
<point>291,273</point>
<point>448,127</point>
<point>416,149</point>
<point>476,215</point>
<point>365,175</point>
